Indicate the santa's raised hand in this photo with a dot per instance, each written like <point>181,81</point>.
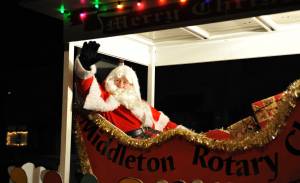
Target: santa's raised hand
<point>89,54</point>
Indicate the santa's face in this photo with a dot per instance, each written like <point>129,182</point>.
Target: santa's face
<point>122,79</point>
<point>122,83</point>
<point>125,94</point>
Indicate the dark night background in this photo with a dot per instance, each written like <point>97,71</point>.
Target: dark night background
<point>199,96</point>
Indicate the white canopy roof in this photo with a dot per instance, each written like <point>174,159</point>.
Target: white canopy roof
<point>263,36</point>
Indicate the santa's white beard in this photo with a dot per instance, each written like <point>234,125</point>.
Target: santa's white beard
<point>131,100</point>
<point>128,98</point>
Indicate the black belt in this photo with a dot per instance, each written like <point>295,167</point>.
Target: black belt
<point>136,133</point>
<point>144,133</point>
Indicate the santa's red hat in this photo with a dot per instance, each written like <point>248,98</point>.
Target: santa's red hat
<point>122,71</point>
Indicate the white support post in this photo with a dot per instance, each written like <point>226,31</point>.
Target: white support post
<point>151,77</point>
<point>66,125</point>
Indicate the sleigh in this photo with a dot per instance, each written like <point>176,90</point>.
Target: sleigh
<point>270,154</point>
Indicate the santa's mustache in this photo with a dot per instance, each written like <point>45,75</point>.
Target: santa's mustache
<point>127,97</point>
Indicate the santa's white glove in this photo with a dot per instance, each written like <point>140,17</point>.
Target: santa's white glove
<point>182,127</point>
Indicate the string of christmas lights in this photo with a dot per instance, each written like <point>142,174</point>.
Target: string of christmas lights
<point>116,6</point>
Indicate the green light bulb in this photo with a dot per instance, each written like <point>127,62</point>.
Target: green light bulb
<point>61,9</point>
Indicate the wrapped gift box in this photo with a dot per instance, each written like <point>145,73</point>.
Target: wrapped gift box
<point>243,127</point>
<point>266,109</point>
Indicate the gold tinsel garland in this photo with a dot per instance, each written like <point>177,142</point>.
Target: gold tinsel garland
<point>82,154</point>
<point>259,139</point>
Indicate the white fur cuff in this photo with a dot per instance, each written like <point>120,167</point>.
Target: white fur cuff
<point>81,72</point>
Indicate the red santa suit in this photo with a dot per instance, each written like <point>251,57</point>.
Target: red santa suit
<point>126,110</point>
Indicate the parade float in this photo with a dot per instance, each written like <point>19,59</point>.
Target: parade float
<point>237,153</point>
<point>270,154</point>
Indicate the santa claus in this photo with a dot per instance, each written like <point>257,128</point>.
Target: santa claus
<point>118,99</point>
